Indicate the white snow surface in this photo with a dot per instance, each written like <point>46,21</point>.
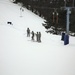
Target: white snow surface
<point>21,56</point>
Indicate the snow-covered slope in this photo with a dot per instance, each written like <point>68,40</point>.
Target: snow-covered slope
<point>20,56</point>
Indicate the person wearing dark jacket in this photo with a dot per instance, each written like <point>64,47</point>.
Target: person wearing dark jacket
<point>28,32</point>
<point>39,37</point>
<point>32,35</point>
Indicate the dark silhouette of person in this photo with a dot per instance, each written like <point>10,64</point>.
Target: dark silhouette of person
<point>32,35</point>
<point>28,32</point>
<point>39,37</point>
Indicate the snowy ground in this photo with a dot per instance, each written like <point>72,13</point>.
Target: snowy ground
<point>20,56</point>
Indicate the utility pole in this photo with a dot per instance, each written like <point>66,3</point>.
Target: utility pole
<point>66,37</point>
<point>67,19</point>
<point>68,9</point>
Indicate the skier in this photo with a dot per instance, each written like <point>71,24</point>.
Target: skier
<point>28,32</point>
<point>32,35</point>
<point>39,37</point>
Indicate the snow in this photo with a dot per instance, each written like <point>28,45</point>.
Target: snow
<point>21,56</point>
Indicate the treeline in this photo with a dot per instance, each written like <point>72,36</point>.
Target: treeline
<point>52,11</point>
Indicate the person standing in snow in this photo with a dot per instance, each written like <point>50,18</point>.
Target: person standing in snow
<point>28,32</point>
<point>32,35</point>
<point>39,37</point>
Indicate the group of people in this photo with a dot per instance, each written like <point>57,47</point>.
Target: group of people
<point>38,35</point>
